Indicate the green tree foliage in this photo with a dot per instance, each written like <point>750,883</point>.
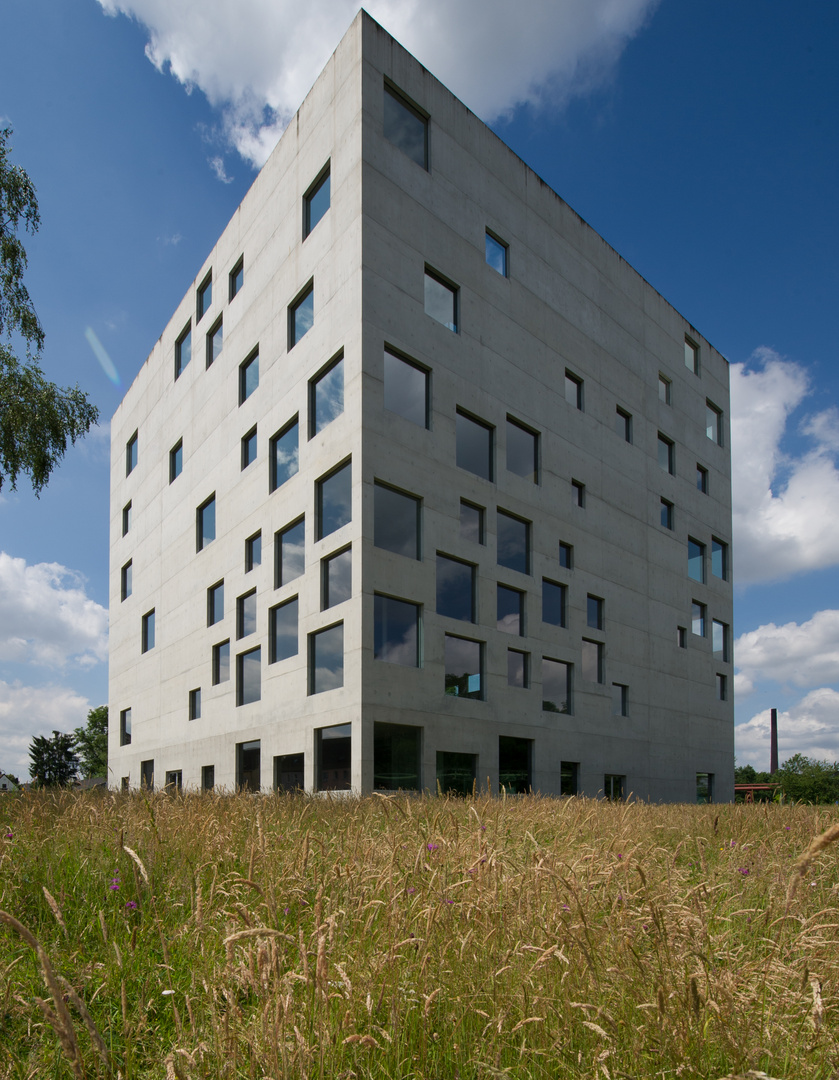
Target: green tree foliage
<point>805,779</point>
<point>53,762</point>
<point>36,416</point>
<point>91,743</point>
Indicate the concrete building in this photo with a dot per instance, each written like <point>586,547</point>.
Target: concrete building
<point>422,483</point>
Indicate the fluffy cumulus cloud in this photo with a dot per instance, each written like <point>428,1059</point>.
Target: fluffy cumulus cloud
<point>26,711</point>
<point>808,728</point>
<point>803,655</point>
<point>786,507</point>
<point>256,60</point>
<point>46,616</point>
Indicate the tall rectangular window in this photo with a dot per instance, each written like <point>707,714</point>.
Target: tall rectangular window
<point>691,356</point>
<point>720,640</point>
<point>248,676</point>
<point>474,445</point>
<point>183,350</point>
<point>215,340</point>
<point>592,661</point>
<point>204,297</point>
<point>176,460</point>
<point>334,500</point>
<point>126,576</point>
<point>284,455</point>
<point>614,787</point>
<point>556,686</point>
<point>147,774</point>
<point>522,451</point>
<point>464,667</point>
<point>664,390</point>
<point>472,522</point>
<point>125,727</point>
<point>701,479</point>
<point>326,659</point>
<point>665,453</point>
<point>515,764</point>
<point>215,603</point>
<point>208,777</point>
<point>719,559</point>
<point>334,758</point>
<point>248,376</point>
<point>722,687</point>
<point>301,315</point>
<point>518,668</point>
<point>336,578</point>
<point>253,552</point>
<point>406,389</point>
<point>405,125</point>
<point>496,254</point>
<point>205,523</point>
<point>509,613</point>
<point>623,424</point>
<point>513,542</point>
<point>620,699</point>
<point>174,781</point>
<point>696,560</point>
<point>704,787</point>
<point>666,514</point>
<point>248,451</point>
<point>396,521</point>
<point>713,423</point>
<point>574,390</point>
<point>282,631</point>
<point>697,618</point>
<point>569,778</point>
<point>195,704</point>
<point>566,555</point>
<point>246,614</point>
<point>553,603</point>
<point>237,278</point>
<point>440,300</point>
<point>316,201</point>
<point>147,642</point>
<point>126,518</point>
<point>288,772</point>
<point>131,456</point>
<point>396,631</point>
<point>594,612</point>
<point>249,766</point>
<point>326,396</point>
<point>221,662</point>
<point>578,493</point>
<point>455,588</point>
<point>289,553</point>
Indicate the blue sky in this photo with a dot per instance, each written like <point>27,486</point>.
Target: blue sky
<point>697,136</point>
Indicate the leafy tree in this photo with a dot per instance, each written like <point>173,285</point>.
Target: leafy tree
<point>91,743</point>
<point>36,416</point>
<point>53,761</point>
<point>809,780</point>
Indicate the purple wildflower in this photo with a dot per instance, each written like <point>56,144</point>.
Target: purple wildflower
<point>744,870</point>
<point>432,847</point>
<point>131,905</point>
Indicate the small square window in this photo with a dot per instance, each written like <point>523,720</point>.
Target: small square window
<point>522,451</point>
<point>183,350</point>
<point>326,659</point>
<point>696,560</point>
<point>221,662</point>
<point>666,454</point>
<point>282,631</point>
<point>623,424</point>
<point>253,552</point>
<point>248,376</point>
<point>681,637</point>
<point>284,455</point>
<point>620,704</point>
<point>578,493</point>
<point>215,603</point>
<point>405,125</point>
<point>574,391</point>
<point>396,631</point>
<point>556,686</point>
<point>237,278</point>
<point>204,297</point>
<point>473,445</point>
<point>215,340</point>
<point>249,448</point>
<point>131,455</point>
<point>125,727</point>
<point>249,676</point>
<point>509,610</point>
<point>246,614</point>
<point>334,500</point>
<point>719,559</point>
<point>664,386</point>
<point>722,687</point>
<point>289,553</point>
<point>176,460</point>
<point>441,300</point>
<point>720,640</point>
<point>518,668</point>
<point>566,555</point>
<point>301,315</point>
<point>691,356</point>
<point>316,201</point>
<point>701,479</point>
<point>713,423</point>
<point>126,518</point>
<point>697,625</point>
<point>594,612</point>
<point>147,641</point>
<point>406,389</point>
<point>455,588</point>
<point>496,254</point>
<point>396,521</point>
<point>464,667</point>
<point>513,542</point>
<point>554,600</point>
<point>205,523</point>
<point>125,581</point>
<point>326,396</point>
<point>195,704</point>
<point>336,578</point>
<point>472,522</point>
<point>592,661</point>
<point>666,514</point>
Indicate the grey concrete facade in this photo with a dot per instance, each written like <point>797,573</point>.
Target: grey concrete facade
<point>562,353</point>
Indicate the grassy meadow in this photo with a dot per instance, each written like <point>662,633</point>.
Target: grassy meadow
<point>209,936</point>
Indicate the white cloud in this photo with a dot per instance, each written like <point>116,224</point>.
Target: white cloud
<point>805,655</point>
<point>47,618</point>
<point>256,60</point>
<point>26,711</point>
<point>217,165</point>
<point>786,508</point>
<point>811,727</point>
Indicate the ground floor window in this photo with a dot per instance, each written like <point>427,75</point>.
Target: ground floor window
<point>704,787</point>
<point>614,787</point>
<point>248,772</point>
<point>208,777</point>
<point>174,780</point>
<point>147,774</point>
<point>288,772</point>
<point>396,757</point>
<point>515,758</point>
<point>569,778</point>
<point>125,785</point>
<point>334,758</point>
<point>456,773</point>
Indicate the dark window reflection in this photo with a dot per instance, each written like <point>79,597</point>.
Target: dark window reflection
<point>396,521</point>
<point>405,128</point>
<point>455,589</point>
<point>406,390</point>
<point>474,446</point>
<point>513,543</point>
<point>396,631</point>
<point>335,501</point>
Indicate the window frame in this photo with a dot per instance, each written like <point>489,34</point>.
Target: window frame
<point>525,429</point>
<point>279,535</point>
<point>126,585</point>
<point>213,603</point>
<point>525,669</point>
<point>590,645</point>
<point>132,454</point>
<point>698,617</point>
<point>566,555</point>
<point>125,727</point>
<point>503,247</point>
<point>412,108</point>
<point>274,637</point>
<point>236,278</point>
<point>578,493</point>
<point>666,516</point>
<point>701,479</point>
<point>176,461</point>
<point>246,612</point>
<point>194,709</point>
<point>147,635</point>
<point>664,441</point>
<point>220,649</point>
<point>126,517</point>
<point>184,338</point>
<point>250,562</point>
<point>623,418</point>
<point>210,354</point>
<point>573,388</point>
<point>463,414</point>
<point>312,658</point>
<point>242,683</point>
<point>337,361</point>
<point>696,561</point>
<point>720,546</point>
<point>691,355</point>
<point>446,283</point>
<point>713,422</point>
<point>563,603</point>
<point>595,612</point>
<point>203,303</point>
<point>248,440</point>
<point>481,514</point>
<point>201,540</point>
<point>409,362</point>
<point>244,369</point>
<point>620,699</point>
<point>665,389</point>
<point>346,464</point>
<point>314,189</point>
<point>274,483</point>
<point>325,564</point>
<point>299,300</point>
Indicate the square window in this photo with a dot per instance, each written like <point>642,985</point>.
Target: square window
<point>569,778</point>
<point>515,761</point>
<point>578,493</point>
<point>246,614</point>
<point>405,125</point>
<point>126,518</point>
<point>237,278</point>
<point>301,315</point>
<point>215,603</point>
<point>248,676</point>
<point>623,424</point>
<point>474,445</point>
<point>183,350</point>
<point>125,727</point>
<point>336,578</point>
<point>664,390</point>
<point>456,773</point>
<point>195,704</point>
<point>620,705</point>
<point>326,396</point>
<point>464,667</point>
<point>125,581</point>
<point>719,559</point>
<point>204,297</point>
<point>665,454</point>
<point>592,661</point>
<point>440,300</point>
<point>691,356</point>
<point>288,772</point>
<point>509,610</point>
<point>334,500</point>
<point>681,637</point>
<point>722,687</point>
<point>406,389</point>
<point>566,555</point>
<point>215,340</point>
<point>513,542</point>
<point>697,625</point>
<point>594,612</point>
<point>574,391</point>
<point>316,201</point>
<point>205,523</point>
<point>248,376</point>
<point>208,777</point>
<point>614,787</point>
<point>496,254</point>
<point>289,553</point>
<point>249,448</point>
<point>396,521</point>
<point>666,514</point>
<point>455,588</point>
<point>326,659</point>
<point>554,599</point>
<point>249,766</point>
<point>221,662</point>
<point>396,631</point>
<point>334,758</point>
<point>720,640</point>
<point>282,631</point>
<point>696,560</point>
<point>147,775</point>
<point>253,552</point>
<point>131,456</point>
<point>701,479</point>
<point>284,455</point>
<point>713,423</point>
<point>472,522</point>
<point>522,451</point>
<point>147,642</point>
<point>518,673</point>
<point>176,460</point>
<point>556,686</point>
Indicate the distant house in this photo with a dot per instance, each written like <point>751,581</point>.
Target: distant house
<point>6,783</point>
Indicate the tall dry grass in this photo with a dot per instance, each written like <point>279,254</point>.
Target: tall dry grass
<point>204,936</point>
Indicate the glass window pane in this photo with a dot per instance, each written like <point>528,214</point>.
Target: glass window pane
<point>285,455</point>
<point>406,389</point>
<point>474,446</point>
<point>237,278</point>
<point>719,635</point>
<point>328,397</point>
<point>594,612</point>
<point>248,378</point>
<point>665,454</point>
<point>335,501</point>
<point>522,451</point>
<point>288,772</point>
<point>556,686</point>
<point>337,578</point>
<point>663,390</point>
<point>327,659</point>
<point>516,668</point>
<point>301,317</point>
<point>496,255</point>
<point>553,603</point>
<point>696,560</point>
<point>441,301</point>
<point>514,764</point>
<point>463,667</point>
<point>317,203</point>
<point>249,688</point>
<point>334,750</point>
<point>405,128</point>
<point>666,514</point>
<point>183,351</point>
<point>396,757</point>
<point>455,589</point>
<point>513,543</point>
<point>282,631</point>
<point>456,773</point>
<point>290,553</point>
<point>253,552</point>
<point>510,610</point>
<point>396,636</point>
<point>592,656</point>
<point>396,521</point>
<point>246,615</point>
<point>692,356</point>
<point>215,340</point>
<point>249,449</point>
<point>248,766</point>
<point>215,603</point>
<point>719,559</point>
<point>566,555</point>
<point>573,390</point>
<point>195,704</point>
<point>205,297</point>
<point>471,522</point>
<point>221,662</point>
<point>698,619</point>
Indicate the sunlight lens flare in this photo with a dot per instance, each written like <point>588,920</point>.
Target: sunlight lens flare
<point>105,361</point>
